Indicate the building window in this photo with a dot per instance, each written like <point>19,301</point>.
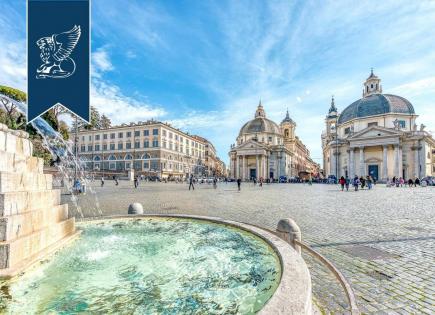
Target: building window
<point>120,146</point>
<point>370,124</point>
<point>105,136</point>
<point>270,139</point>
<point>97,137</point>
<point>155,143</point>
<point>83,148</point>
<point>155,132</point>
<point>104,147</point>
<point>402,124</point>
<point>146,132</point>
<point>347,130</point>
<point>146,165</point>
<point>89,147</point>
<point>137,145</point>
<point>120,135</point>
<point>128,145</point>
<point>128,134</point>
<point>97,147</point>
<point>137,133</point>
<point>164,133</point>
<point>112,146</point>
<point>155,165</point>
<point>146,144</point>
<point>83,138</point>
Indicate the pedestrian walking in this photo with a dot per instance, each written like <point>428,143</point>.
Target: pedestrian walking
<point>369,182</point>
<point>136,181</point>
<point>347,183</point>
<point>261,181</point>
<point>215,182</point>
<point>239,182</point>
<point>416,182</point>
<point>191,182</point>
<point>102,181</point>
<point>342,182</point>
<point>356,183</point>
<point>362,182</point>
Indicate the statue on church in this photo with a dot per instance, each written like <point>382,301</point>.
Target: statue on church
<point>396,124</point>
<point>422,126</point>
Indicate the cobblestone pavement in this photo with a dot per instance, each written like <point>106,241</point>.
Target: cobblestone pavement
<point>382,240</point>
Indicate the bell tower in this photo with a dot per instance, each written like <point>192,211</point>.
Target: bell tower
<point>372,85</point>
<point>288,127</point>
<point>331,118</point>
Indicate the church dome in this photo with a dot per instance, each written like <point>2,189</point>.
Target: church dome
<point>376,104</point>
<point>260,124</point>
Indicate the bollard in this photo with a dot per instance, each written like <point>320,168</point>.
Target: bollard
<point>135,208</point>
<point>290,232</point>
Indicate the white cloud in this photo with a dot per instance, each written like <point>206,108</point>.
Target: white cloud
<point>109,100</point>
<point>101,60</point>
<point>416,88</point>
<point>13,64</point>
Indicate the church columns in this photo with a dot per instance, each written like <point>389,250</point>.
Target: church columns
<point>264,166</point>
<point>237,167</point>
<point>396,161</point>
<point>352,163</point>
<point>384,162</point>
<point>333,162</point>
<point>244,167</point>
<point>362,164</point>
<point>257,161</point>
<point>417,160</point>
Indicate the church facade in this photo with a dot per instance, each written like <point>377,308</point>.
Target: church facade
<point>264,149</point>
<point>377,135</point>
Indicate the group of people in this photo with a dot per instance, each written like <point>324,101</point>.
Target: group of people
<point>400,182</point>
<point>357,182</point>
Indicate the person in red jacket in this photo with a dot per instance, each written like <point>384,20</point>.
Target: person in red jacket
<point>342,181</point>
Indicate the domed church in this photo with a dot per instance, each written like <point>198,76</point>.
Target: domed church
<point>264,149</point>
<point>377,135</point>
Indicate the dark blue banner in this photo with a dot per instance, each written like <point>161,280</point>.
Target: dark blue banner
<point>58,61</point>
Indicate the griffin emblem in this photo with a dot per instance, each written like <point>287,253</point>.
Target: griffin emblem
<point>55,53</point>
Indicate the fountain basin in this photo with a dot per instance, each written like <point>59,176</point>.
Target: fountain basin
<point>166,265</point>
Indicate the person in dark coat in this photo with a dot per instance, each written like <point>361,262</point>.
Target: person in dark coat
<point>191,182</point>
<point>239,183</point>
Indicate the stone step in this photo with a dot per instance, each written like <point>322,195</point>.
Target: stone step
<point>15,141</point>
<point>24,182</point>
<point>12,203</point>
<point>19,163</point>
<point>12,253</point>
<point>20,225</point>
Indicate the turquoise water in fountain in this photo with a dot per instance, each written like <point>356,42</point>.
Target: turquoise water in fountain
<point>150,266</point>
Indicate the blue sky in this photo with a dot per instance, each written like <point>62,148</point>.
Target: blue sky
<point>204,65</point>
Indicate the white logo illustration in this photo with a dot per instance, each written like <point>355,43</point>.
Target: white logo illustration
<point>55,53</point>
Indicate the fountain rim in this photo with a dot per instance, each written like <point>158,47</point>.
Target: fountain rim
<point>293,294</point>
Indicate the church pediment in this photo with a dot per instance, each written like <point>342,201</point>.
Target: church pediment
<point>375,132</point>
<point>251,145</point>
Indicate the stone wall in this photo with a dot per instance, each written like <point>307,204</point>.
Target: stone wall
<point>33,223</point>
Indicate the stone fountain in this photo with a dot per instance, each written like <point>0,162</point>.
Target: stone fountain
<point>33,223</point>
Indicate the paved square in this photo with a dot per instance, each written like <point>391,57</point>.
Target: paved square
<point>383,240</point>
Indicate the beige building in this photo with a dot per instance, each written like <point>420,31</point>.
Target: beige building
<point>150,148</point>
<point>265,150</point>
<point>377,135</point>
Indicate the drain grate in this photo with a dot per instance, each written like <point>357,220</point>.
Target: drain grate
<point>367,252</point>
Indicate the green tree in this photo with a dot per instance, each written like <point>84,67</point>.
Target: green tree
<point>105,122</point>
